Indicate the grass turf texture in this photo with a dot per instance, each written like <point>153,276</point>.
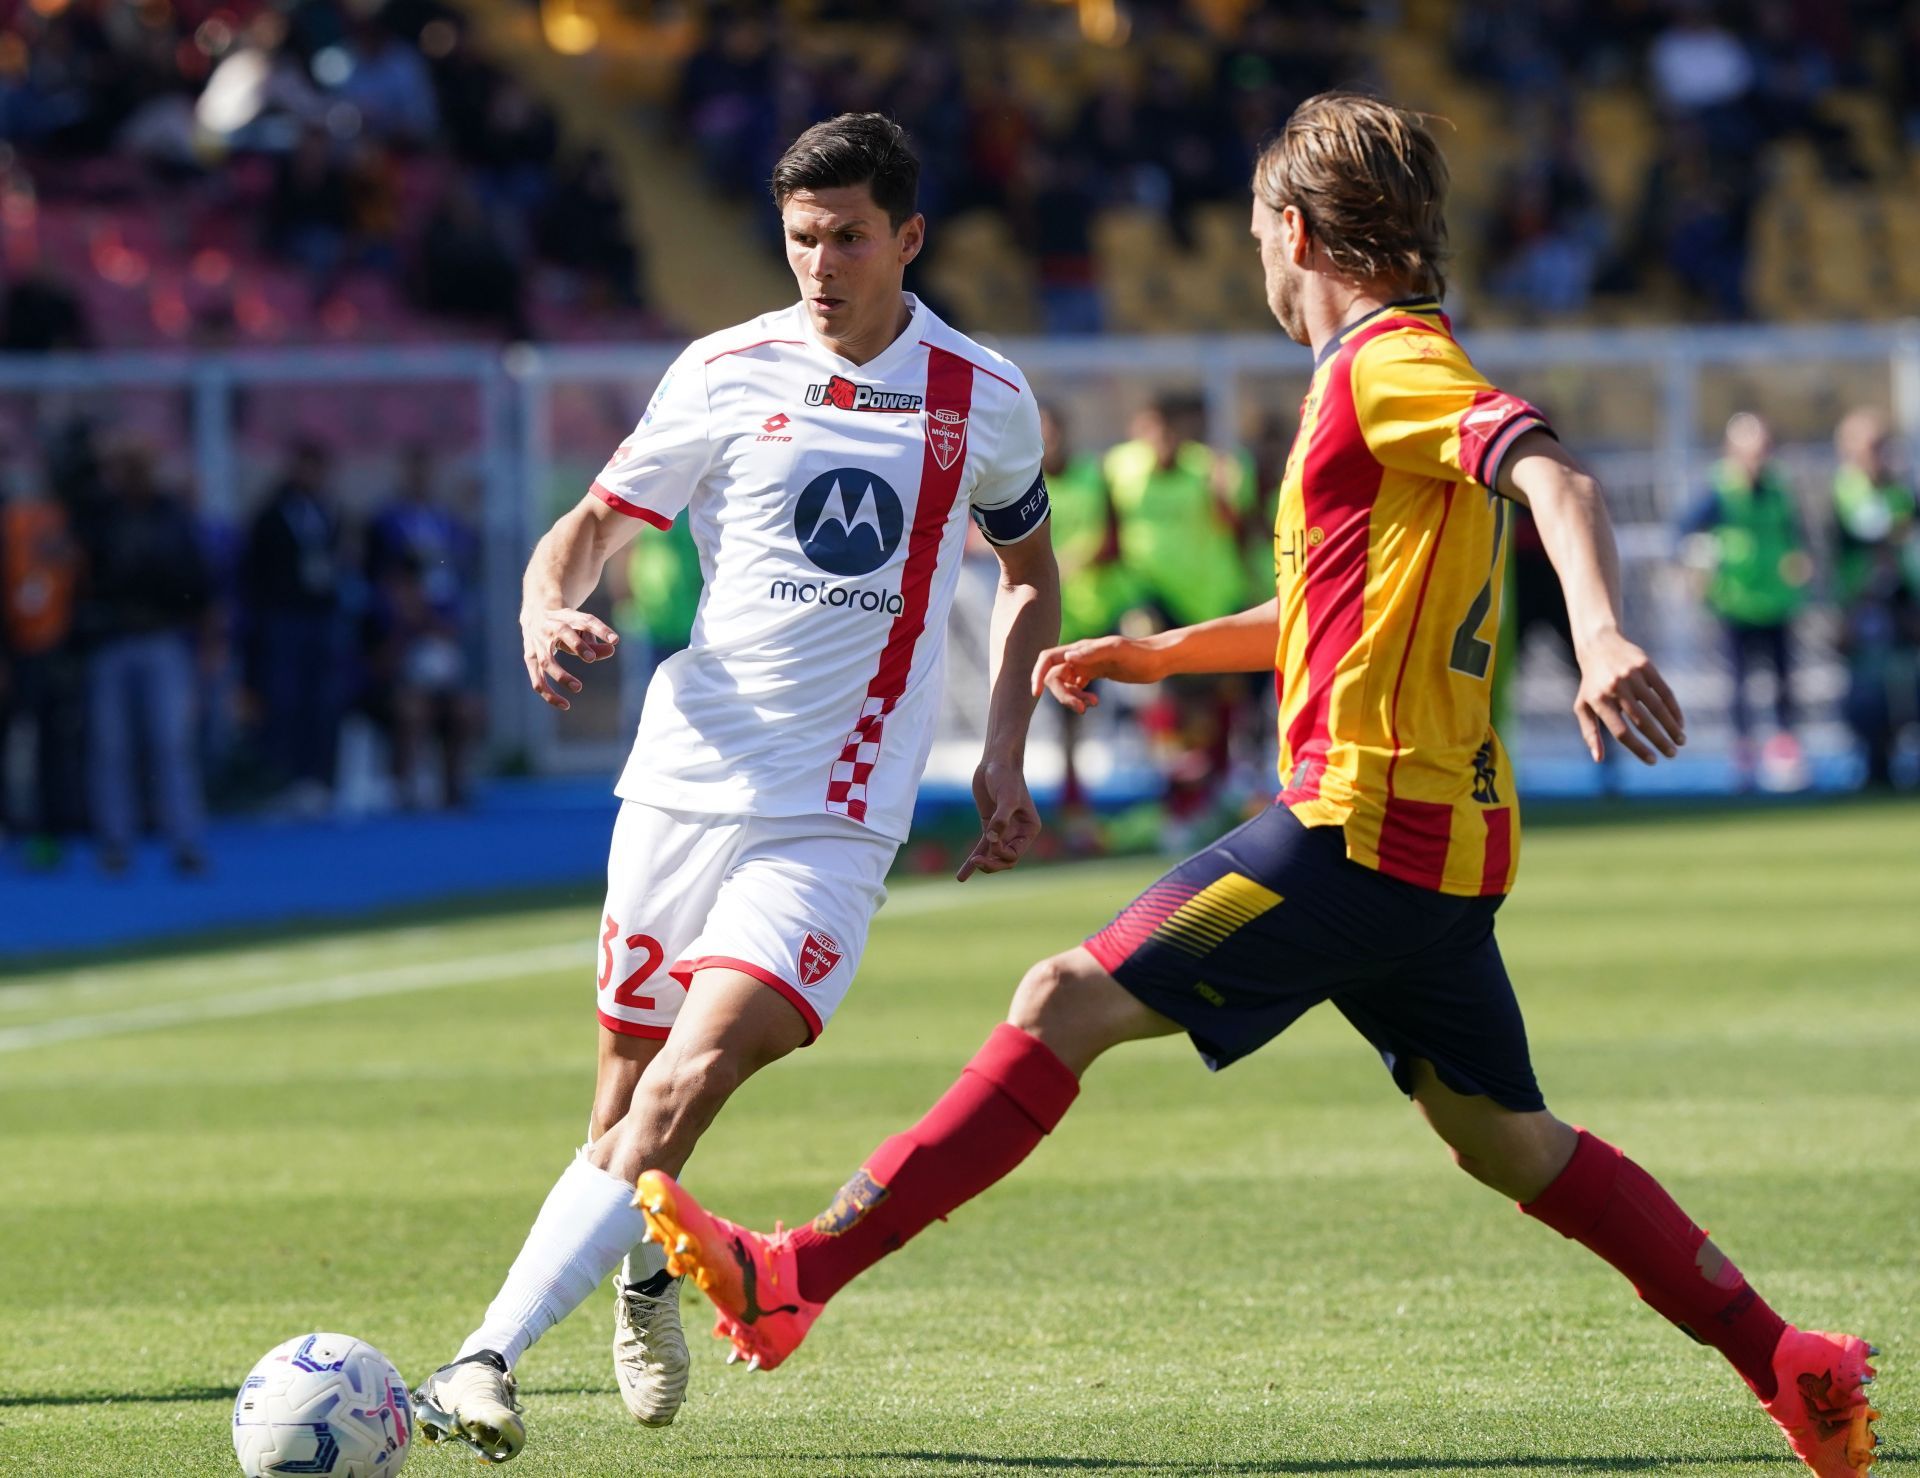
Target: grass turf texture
<point>1272,1271</point>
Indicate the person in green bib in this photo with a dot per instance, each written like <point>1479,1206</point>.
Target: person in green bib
<point>1748,529</point>
<point>661,595</point>
<point>1873,506</point>
<point>1876,578</point>
<point>1182,508</point>
<point>1178,517</point>
<point>1096,590</point>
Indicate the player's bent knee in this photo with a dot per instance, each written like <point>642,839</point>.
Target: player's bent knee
<point>1074,1006</point>
<point>1055,990</point>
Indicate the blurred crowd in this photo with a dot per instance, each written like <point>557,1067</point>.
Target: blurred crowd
<point>152,660</point>
<point>1174,117</point>
<point>215,171</point>
<point>1725,81</point>
<point>1184,132</point>
<point>1763,566</point>
<point>218,171</point>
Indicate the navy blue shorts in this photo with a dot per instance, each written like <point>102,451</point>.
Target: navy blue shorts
<point>1241,939</point>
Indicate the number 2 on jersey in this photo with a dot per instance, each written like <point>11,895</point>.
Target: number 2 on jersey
<point>1471,655</point>
<point>651,954</point>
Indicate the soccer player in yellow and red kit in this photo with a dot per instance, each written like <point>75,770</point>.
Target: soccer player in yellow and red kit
<point>1373,881</point>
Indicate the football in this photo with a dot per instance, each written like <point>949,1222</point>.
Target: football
<point>324,1404</point>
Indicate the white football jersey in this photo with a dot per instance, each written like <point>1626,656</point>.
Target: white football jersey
<point>829,503</point>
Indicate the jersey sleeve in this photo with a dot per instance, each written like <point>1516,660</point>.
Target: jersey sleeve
<point>1424,409</point>
<point>1011,501</point>
<point>652,474</point>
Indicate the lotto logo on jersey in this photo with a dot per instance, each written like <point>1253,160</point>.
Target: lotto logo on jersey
<point>847,395</point>
<point>818,955</point>
<point>848,521</point>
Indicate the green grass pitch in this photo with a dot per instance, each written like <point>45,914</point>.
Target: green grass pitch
<point>1272,1271</point>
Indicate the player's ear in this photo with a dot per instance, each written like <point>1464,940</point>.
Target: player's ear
<point>1293,234</point>
<point>912,235</point>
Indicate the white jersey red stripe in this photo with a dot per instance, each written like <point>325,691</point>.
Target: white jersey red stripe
<point>948,399</point>
<point>829,503</point>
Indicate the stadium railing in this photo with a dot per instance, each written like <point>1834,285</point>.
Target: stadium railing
<point>531,426</point>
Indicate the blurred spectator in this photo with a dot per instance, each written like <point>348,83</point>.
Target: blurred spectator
<point>1180,511</point>
<point>1548,229</point>
<point>1512,45</point>
<point>42,314</point>
<point>1873,507</point>
<point>1751,542</point>
<point>259,94</point>
<point>144,601</point>
<point>312,209</point>
<point>41,693</point>
<point>390,85</point>
<point>1792,78</point>
<point>660,598</point>
<point>584,228</point>
<point>414,527</point>
<point>291,573</point>
<point>466,269</point>
<point>1698,66</point>
<point>727,98</point>
<point>521,141</point>
<point>1095,591</point>
<point>1695,219</point>
<point>1057,221</point>
<point>418,687</point>
<point>1877,584</point>
<point>1178,527</point>
<point>421,568</point>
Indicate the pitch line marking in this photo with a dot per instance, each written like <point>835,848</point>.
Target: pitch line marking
<point>356,986</point>
<point>437,974</point>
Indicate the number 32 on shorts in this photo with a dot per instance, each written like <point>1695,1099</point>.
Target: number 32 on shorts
<point>650,956</point>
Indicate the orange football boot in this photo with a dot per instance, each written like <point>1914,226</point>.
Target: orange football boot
<point>1821,1403</point>
<point>734,1267</point>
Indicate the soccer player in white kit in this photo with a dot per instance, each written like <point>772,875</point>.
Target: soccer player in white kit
<point>829,456</point>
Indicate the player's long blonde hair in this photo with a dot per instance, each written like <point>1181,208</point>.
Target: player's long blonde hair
<point>1371,184</point>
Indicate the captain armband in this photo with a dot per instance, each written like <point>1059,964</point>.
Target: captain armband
<point>1011,524</point>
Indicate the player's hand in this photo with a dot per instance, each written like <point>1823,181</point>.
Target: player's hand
<point>1008,819</point>
<point>545,634</point>
<point>1066,671</point>
<point>1623,694</point>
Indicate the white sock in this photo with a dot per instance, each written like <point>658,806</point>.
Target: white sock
<point>586,1226</point>
<point>648,1260</point>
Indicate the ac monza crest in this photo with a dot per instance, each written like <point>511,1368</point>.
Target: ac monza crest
<point>946,435</point>
<point>818,955</point>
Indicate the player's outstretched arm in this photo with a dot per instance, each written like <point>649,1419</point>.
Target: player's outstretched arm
<point>1244,642</point>
<point>1026,620</point>
<point>563,571</point>
<point>1621,691</point>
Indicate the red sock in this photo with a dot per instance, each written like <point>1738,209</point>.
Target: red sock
<point>1612,1207</point>
<point>1008,1098</point>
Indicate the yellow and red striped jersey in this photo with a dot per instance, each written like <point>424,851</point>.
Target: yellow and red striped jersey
<point>1390,547</point>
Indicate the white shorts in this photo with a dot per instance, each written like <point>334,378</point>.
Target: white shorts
<point>785,899</point>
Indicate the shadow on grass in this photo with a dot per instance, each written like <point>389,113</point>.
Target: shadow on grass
<point>187,1395</point>
<point>184,1396</point>
<point>1607,1464</point>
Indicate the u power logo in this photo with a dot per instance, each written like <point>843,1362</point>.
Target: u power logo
<point>848,521</point>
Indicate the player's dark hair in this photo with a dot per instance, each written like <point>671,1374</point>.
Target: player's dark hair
<point>1371,185</point>
<point>854,149</point>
